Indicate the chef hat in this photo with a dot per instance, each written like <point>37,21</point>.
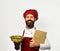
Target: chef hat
<point>31,11</point>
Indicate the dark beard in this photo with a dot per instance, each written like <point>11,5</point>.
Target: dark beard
<point>30,24</point>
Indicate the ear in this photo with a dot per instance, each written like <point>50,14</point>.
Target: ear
<point>25,19</point>
<point>35,19</point>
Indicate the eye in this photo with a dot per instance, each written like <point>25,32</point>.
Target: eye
<point>31,16</point>
<point>27,17</point>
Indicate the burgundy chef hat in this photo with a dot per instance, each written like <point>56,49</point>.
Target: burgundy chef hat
<point>31,11</point>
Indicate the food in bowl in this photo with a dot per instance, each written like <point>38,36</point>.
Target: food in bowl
<point>16,38</point>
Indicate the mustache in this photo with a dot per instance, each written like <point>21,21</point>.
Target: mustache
<point>29,20</point>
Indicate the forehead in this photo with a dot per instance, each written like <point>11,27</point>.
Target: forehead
<point>29,15</point>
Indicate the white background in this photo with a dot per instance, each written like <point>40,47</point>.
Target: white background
<point>12,21</point>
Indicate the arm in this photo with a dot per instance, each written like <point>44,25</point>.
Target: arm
<point>46,45</point>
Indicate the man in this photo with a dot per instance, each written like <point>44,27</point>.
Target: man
<point>28,44</point>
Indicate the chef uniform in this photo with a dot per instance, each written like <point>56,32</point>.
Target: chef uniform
<point>28,34</point>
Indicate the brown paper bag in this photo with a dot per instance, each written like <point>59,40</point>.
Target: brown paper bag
<point>39,36</point>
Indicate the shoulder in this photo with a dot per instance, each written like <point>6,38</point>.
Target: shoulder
<point>21,32</point>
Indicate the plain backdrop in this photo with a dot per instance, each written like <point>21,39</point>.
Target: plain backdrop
<point>12,21</point>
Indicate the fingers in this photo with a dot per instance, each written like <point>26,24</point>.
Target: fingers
<point>32,40</point>
<point>33,43</point>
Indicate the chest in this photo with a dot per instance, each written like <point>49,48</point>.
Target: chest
<point>29,33</point>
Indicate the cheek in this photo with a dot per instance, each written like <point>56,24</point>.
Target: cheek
<point>33,19</point>
<point>26,19</point>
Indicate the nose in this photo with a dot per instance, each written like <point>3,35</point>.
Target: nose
<point>29,18</point>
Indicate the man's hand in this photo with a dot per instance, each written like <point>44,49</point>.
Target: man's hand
<point>33,43</point>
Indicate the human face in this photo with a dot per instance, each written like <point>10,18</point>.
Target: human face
<point>30,19</point>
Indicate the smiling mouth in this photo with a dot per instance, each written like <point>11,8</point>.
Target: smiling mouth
<point>29,21</point>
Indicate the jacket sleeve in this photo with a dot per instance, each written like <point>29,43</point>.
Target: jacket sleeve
<point>45,46</point>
